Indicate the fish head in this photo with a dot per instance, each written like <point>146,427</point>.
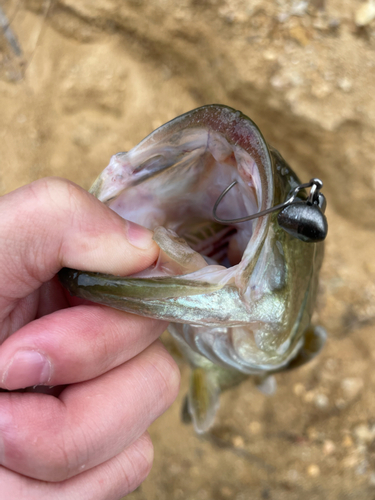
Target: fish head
<point>238,294</point>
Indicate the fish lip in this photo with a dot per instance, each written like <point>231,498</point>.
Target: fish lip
<point>212,117</point>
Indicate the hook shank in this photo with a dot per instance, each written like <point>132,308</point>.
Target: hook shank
<point>315,184</point>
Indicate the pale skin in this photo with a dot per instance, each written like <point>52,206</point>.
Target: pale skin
<point>90,442</point>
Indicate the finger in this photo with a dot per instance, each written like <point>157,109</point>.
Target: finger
<point>52,439</point>
<point>111,480</point>
<point>73,345</point>
<point>53,223</point>
<point>52,297</point>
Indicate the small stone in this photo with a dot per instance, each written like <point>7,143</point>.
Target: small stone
<point>321,89</point>
<point>299,8</point>
<point>345,84</point>
<point>299,389</point>
<point>278,81</point>
<point>347,441</point>
<point>313,470</point>
<point>351,461</point>
<point>293,475</point>
<point>328,447</point>
<point>238,442</point>
<point>269,55</point>
<point>321,401</point>
<point>365,14</point>
<point>284,16</point>
<point>300,35</point>
<point>372,479</point>
<point>364,434</point>
<point>351,387</point>
<point>309,397</point>
<point>312,433</point>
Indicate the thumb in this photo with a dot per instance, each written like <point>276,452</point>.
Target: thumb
<point>53,223</point>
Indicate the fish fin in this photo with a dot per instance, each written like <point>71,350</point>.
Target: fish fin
<point>203,399</point>
<point>313,341</point>
<point>185,413</point>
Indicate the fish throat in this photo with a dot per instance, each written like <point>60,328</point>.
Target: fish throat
<point>175,182</point>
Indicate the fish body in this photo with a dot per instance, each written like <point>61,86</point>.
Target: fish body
<point>239,296</point>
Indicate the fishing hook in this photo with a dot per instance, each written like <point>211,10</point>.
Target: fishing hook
<point>314,198</point>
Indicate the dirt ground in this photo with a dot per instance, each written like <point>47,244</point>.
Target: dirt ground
<point>96,76</point>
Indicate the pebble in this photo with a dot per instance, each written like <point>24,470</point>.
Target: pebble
<point>351,387</point>
<point>364,433</point>
<point>351,461</point>
<point>328,447</point>
<point>299,389</point>
<point>313,470</point>
<point>321,401</point>
<point>347,441</point>
<point>300,35</point>
<point>238,442</point>
<point>293,475</point>
<point>365,14</point>
<point>312,433</point>
<point>345,84</point>
<point>309,397</point>
<point>299,8</point>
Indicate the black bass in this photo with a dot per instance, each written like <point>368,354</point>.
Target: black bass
<point>239,296</point>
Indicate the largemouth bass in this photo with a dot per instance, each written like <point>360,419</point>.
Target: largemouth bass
<point>239,296</point>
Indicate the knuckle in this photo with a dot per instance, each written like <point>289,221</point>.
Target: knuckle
<point>139,460</point>
<point>126,471</point>
<point>168,376</point>
<point>56,464</point>
<point>145,459</point>
<point>35,452</point>
<point>58,193</point>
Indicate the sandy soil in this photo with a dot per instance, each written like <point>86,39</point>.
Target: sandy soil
<point>96,76</point>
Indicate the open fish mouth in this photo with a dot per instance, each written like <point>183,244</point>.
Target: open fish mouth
<point>241,295</point>
<point>173,178</point>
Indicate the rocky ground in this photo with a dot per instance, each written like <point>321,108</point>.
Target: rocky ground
<point>96,76</point>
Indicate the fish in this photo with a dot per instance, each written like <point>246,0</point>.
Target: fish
<point>239,296</point>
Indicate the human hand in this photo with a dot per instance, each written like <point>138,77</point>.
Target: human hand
<point>90,442</point>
